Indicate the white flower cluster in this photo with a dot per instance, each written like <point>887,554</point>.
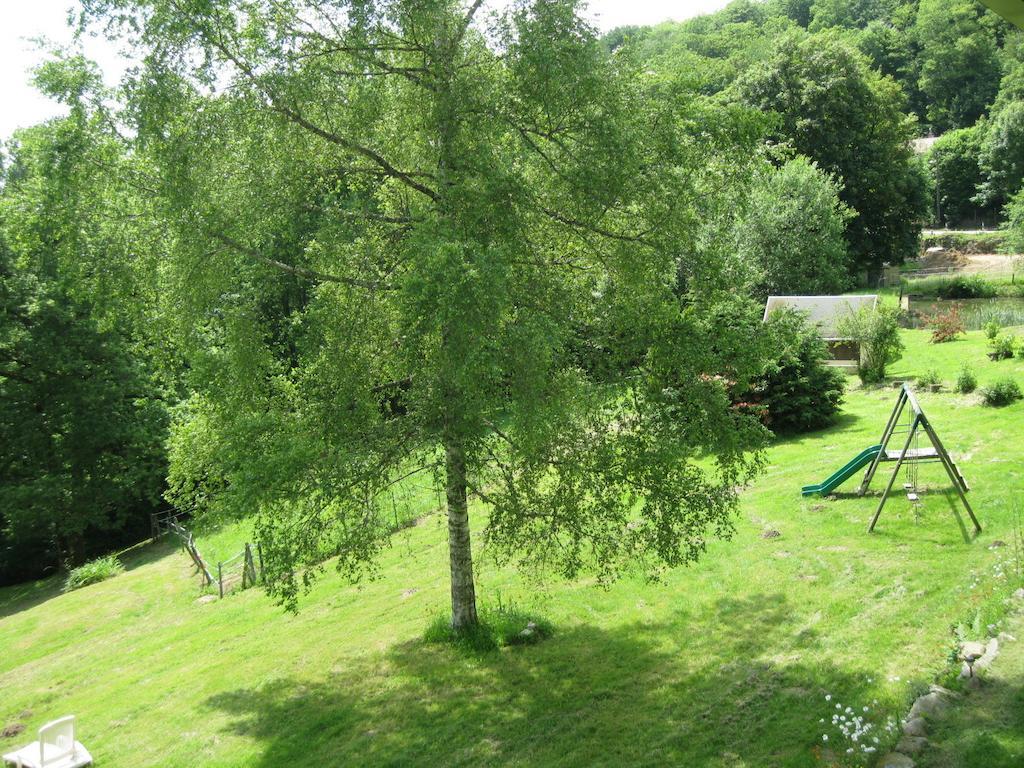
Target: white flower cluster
<point>855,731</point>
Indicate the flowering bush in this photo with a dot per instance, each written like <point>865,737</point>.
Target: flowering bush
<point>851,736</point>
<point>946,326</point>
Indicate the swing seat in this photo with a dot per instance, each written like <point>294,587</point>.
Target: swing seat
<point>913,454</point>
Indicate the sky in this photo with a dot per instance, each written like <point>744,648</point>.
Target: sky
<point>21,21</point>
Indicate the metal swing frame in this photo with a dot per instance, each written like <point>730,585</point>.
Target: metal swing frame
<point>937,452</point>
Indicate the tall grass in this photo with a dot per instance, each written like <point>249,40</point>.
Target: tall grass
<point>100,569</point>
<point>1005,315</point>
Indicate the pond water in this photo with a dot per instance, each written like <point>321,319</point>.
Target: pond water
<point>974,312</point>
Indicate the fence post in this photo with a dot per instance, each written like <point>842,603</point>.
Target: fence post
<point>259,554</point>
<point>220,578</point>
<point>245,566</point>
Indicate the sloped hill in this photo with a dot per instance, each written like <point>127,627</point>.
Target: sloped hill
<point>725,664</point>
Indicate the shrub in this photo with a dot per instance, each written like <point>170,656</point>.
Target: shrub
<point>946,326</point>
<point>97,570</point>
<point>972,287</point>
<point>966,381</point>
<point>992,329</point>
<point>799,391</point>
<point>878,332</point>
<point>955,287</point>
<point>929,379</point>
<point>1003,392</point>
<point>1003,346</point>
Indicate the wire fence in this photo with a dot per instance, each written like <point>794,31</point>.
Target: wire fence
<point>243,570</point>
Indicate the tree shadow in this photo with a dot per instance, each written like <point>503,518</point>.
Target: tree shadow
<point>984,731</point>
<point>843,421</point>
<point>706,689</point>
<point>25,596</point>
<point>148,552</point>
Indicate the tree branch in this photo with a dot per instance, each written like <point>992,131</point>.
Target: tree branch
<point>311,274</point>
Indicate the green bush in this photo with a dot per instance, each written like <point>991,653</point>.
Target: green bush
<point>1003,392</point>
<point>1003,346</point>
<point>966,381</point>
<point>878,332</point>
<point>930,378</point>
<point>992,329</point>
<point>97,570</point>
<point>498,627</point>
<point>799,391</point>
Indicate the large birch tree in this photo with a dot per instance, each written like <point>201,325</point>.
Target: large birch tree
<point>416,236</point>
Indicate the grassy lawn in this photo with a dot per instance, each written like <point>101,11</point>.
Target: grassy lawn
<point>725,664</point>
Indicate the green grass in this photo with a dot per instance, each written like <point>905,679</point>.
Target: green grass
<point>726,663</point>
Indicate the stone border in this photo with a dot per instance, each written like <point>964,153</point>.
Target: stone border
<point>939,699</point>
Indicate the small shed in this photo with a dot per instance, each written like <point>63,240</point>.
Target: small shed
<point>826,312</point>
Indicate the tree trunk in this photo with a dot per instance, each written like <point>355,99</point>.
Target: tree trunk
<point>459,546</point>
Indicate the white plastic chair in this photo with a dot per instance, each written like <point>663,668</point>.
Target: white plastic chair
<point>56,748</point>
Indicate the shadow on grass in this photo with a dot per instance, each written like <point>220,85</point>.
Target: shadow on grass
<point>716,695</point>
<point>843,421</point>
<point>25,596</point>
<point>985,731</point>
<point>148,552</point>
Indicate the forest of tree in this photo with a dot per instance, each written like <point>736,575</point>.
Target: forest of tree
<point>309,249</point>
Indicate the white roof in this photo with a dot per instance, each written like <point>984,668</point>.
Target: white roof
<point>823,311</point>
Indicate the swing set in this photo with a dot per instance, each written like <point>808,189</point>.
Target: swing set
<point>908,457</point>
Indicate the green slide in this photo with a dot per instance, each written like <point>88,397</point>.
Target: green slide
<point>837,478</point>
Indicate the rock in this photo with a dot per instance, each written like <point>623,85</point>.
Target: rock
<point>206,599</point>
<point>12,730</point>
<point>915,726</point>
<point>1006,637</point>
<point>1019,594</point>
<point>770,534</point>
<point>528,632</point>
<point>932,703</point>
<point>996,544</point>
<point>991,651</point>
<point>896,760</point>
<point>911,745</point>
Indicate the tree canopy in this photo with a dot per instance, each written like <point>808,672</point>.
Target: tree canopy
<point>836,110</point>
<point>409,239</point>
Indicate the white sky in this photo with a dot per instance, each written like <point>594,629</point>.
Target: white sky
<point>21,20</point>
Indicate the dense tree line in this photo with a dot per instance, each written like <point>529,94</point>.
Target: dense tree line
<point>950,65</point>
